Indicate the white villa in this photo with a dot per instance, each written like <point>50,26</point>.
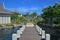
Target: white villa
<point>4,15</point>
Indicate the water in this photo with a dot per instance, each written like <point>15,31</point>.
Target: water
<point>6,33</point>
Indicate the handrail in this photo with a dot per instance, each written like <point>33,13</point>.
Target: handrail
<point>54,31</point>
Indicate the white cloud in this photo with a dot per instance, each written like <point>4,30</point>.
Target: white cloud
<point>23,9</point>
<point>34,8</point>
<point>27,9</point>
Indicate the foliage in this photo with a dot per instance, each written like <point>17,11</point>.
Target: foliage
<point>14,16</point>
<point>17,19</point>
<point>33,17</point>
<point>10,24</point>
<point>26,14</point>
<point>22,19</point>
<point>34,14</point>
<point>51,12</point>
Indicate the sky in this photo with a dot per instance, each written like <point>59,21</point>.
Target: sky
<point>28,5</point>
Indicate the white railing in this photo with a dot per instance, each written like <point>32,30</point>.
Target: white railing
<point>47,36</point>
<point>18,34</point>
<point>42,33</point>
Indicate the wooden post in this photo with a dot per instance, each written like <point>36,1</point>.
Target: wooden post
<point>47,36</point>
<point>22,29</point>
<point>18,33</point>
<point>37,28</point>
<point>14,36</point>
<point>40,31</point>
<point>43,34</point>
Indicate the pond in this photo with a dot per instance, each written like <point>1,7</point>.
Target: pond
<point>6,33</point>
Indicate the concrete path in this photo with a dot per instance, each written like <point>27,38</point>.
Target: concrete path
<point>30,34</point>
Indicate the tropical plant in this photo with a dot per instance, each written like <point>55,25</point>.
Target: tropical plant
<point>51,12</point>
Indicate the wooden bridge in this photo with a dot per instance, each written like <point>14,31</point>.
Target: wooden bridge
<point>30,33</point>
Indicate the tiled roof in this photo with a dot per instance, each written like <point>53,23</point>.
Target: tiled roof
<point>3,11</point>
<point>16,12</point>
<point>1,6</point>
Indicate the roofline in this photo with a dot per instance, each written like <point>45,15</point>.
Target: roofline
<point>6,13</point>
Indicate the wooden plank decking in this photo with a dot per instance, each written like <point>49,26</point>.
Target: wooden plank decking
<point>30,34</point>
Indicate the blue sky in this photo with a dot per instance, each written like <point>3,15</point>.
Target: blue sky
<point>28,5</point>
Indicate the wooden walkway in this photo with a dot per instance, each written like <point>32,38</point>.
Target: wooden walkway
<point>30,34</point>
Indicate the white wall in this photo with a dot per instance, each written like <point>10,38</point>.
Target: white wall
<point>8,20</point>
<point>0,20</point>
<point>5,19</point>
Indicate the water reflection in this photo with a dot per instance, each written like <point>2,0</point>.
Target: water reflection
<point>6,33</point>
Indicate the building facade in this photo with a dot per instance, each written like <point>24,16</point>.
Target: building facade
<point>4,15</point>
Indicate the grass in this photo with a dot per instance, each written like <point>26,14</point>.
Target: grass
<point>56,24</point>
<point>6,24</point>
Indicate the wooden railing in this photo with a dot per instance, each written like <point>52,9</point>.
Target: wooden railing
<point>42,33</point>
<point>16,36</point>
<point>52,30</point>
